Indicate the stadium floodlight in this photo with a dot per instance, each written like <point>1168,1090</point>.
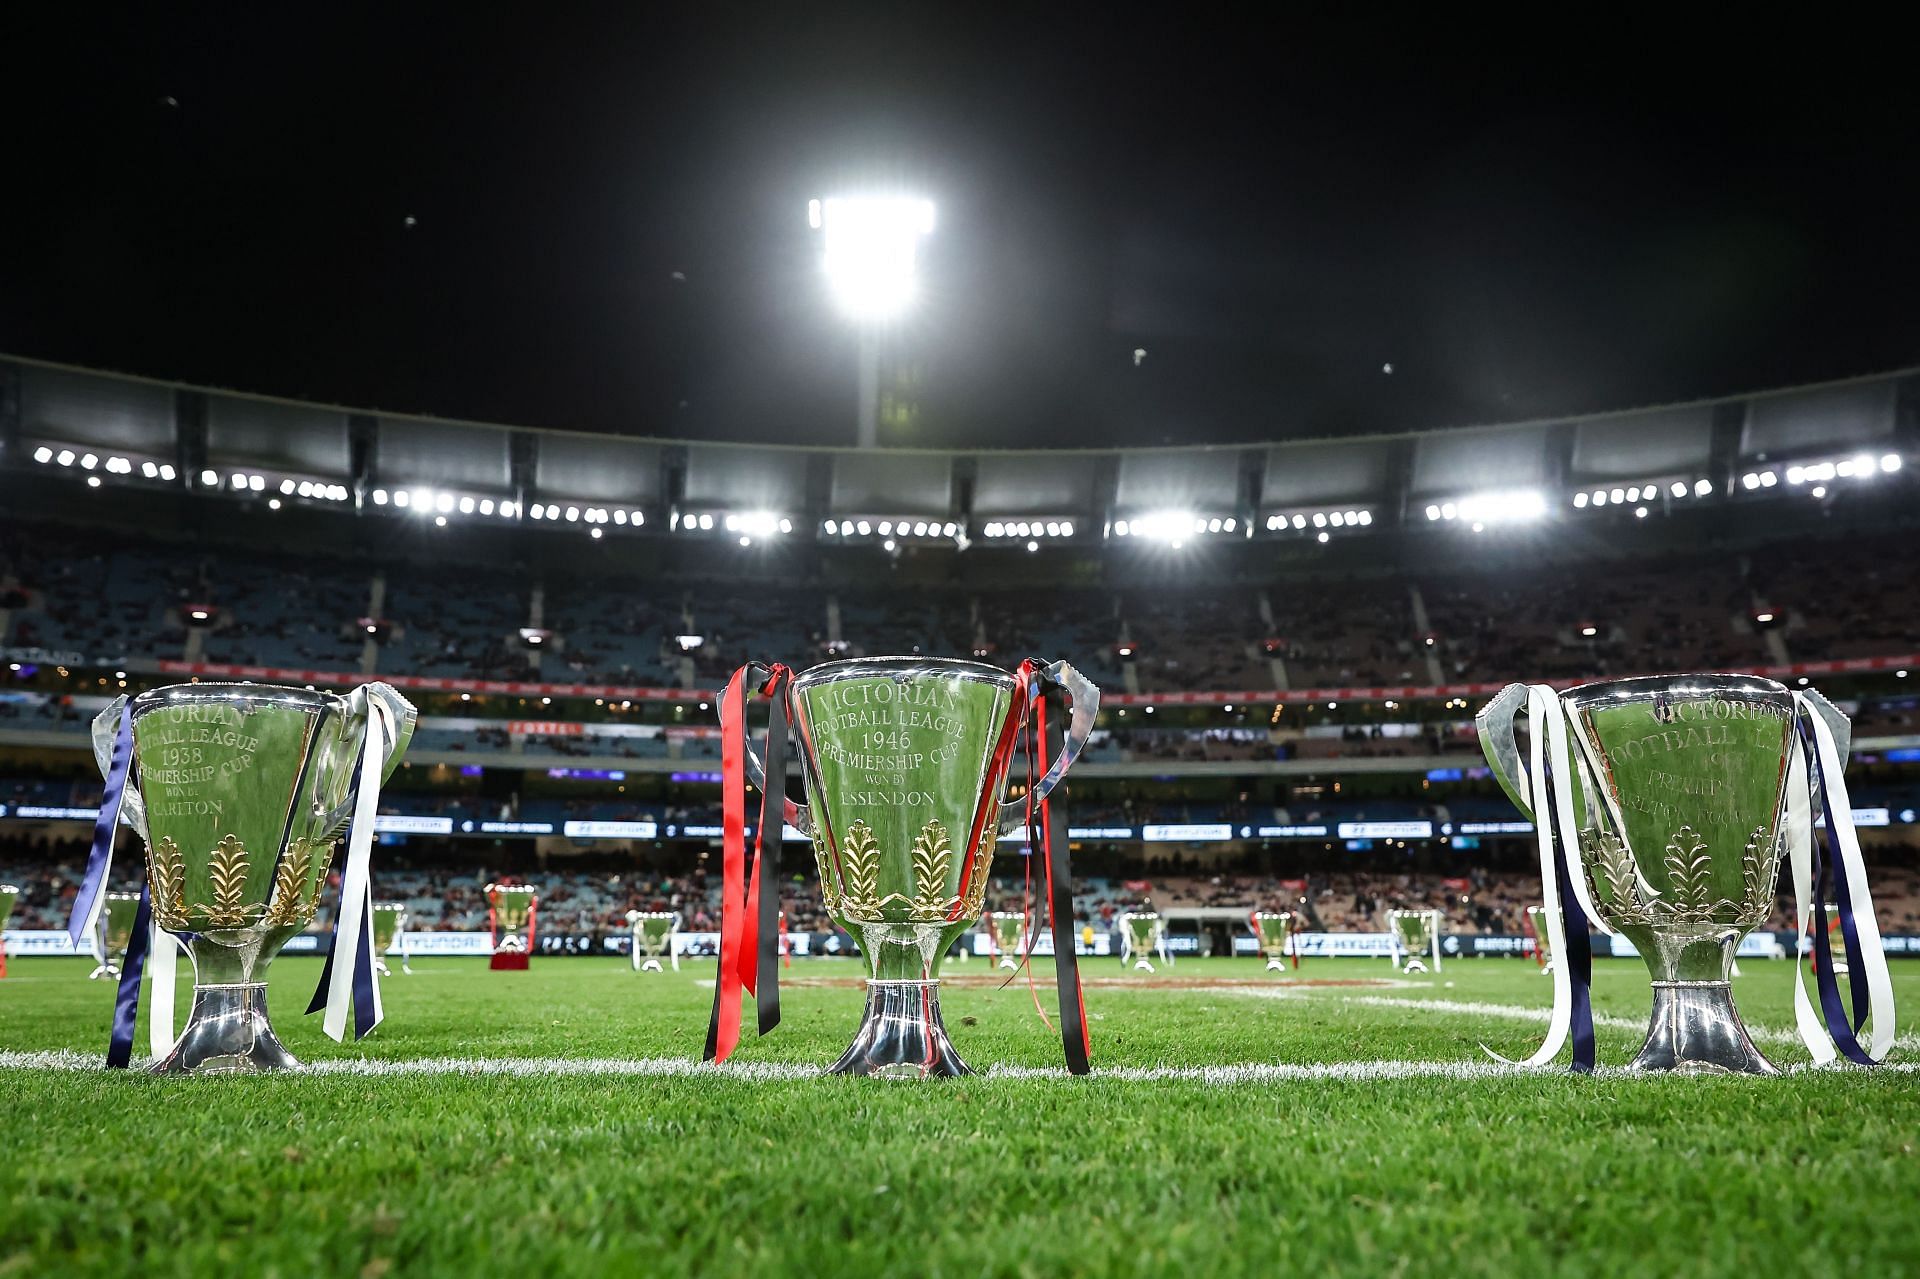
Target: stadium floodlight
<point>871,244</point>
<point>43,454</point>
<point>1580,500</point>
<point>1703,488</point>
<point>1678,489</point>
<point>1890,462</point>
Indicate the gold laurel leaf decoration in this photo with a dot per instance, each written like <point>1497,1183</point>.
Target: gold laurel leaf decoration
<point>167,880</point>
<point>932,861</point>
<point>860,858</point>
<point>830,898</point>
<point>227,870</point>
<point>1761,867</point>
<point>289,884</point>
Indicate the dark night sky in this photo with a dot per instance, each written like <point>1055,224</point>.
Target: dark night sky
<point>1524,221</point>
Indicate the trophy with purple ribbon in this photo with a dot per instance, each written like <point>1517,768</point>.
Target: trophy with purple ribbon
<point>389,936</point>
<point>1664,807</point>
<point>1415,935</point>
<point>240,792</point>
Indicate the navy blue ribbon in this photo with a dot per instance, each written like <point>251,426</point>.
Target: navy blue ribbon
<point>363,1014</point>
<point>1579,946</point>
<point>105,826</point>
<point>1832,1008</point>
<point>126,1000</point>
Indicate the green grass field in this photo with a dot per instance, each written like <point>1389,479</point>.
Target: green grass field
<point>580,1164</point>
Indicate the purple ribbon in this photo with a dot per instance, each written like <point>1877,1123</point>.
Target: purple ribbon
<point>126,1000</point>
<point>1579,946</point>
<point>105,826</point>
<point>363,1019</point>
<point>1831,1007</point>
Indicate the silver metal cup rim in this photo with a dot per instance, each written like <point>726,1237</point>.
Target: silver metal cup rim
<point>1647,687</point>
<point>265,694</point>
<point>863,667</point>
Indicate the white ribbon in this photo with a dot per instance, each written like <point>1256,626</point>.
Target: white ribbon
<point>162,956</point>
<point>1801,801</point>
<point>356,881</point>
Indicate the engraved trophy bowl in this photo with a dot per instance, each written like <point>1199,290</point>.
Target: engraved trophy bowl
<point>905,778</point>
<point>113,933</point>
<point>1273,929</point>
<point>388,919</point>
<point>1142,933</point>
<point>1009,926</point>
<point>1684,779</point>
<point>240,791</point>
<point>1542,940</point>
<point>512,913</point>
<point>653,932</point>
<point>1416,932</point>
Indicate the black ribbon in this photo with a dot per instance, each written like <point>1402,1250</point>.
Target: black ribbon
<point>1048,832</point>
<point>1579,944</point>
<point>766,862</point>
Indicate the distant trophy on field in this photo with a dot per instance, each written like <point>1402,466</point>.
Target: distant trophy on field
<point>1664,808</point>
<point>1008,929</point>
<point>1415,937</point>
<point>240,792</point>
<point>390,936</point>
<point>112,934</point>
<point>1142,936</point>
<point>655,933</point>
<point>9,894</point>
<point>1273,930</point>
<point>1542,937</point>
<point>906,764</point>
<point>511,921</point>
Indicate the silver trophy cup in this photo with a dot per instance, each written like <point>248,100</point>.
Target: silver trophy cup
<point>1142,933</point>
<point>1679,784</point>
<point>389,923</point>
<point>1416,935</point>
<point>240,791</point>
<point>654,933</point>
<point>113,934</point>
<point>1542,938</point>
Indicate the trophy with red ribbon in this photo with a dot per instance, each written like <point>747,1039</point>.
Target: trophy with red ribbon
<point>1415,936</point>
<point>906,764</point>
<point>1542,934</point>
<point>9,894</point>
<point>1273,930</point>
<point>510,920</point>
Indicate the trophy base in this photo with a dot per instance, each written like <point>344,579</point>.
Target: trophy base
<point>652,966</point>
<point>1414,966</point>
<point>1275,965</point>
<point>1696,1031</point>
<point>104,970</point>
<point>901,1036</point>
<point>1142,966</point>
<point>227,1033</point>
<point>1008,961</point>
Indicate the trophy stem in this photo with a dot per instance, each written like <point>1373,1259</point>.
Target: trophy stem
<point>227,1030</point>
<point>1696,1030</point>
<point>901,1036</point>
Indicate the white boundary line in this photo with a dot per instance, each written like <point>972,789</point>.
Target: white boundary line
<point>1249,1073</point>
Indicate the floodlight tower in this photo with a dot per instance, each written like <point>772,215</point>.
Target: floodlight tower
<point>870,246</point>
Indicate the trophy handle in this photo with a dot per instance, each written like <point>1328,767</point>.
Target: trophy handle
<point>1085,698</point>
<point>1494,724</point>
<point>1836,720</point>
<point>106,727</point>
<point>404,718</point>
<point>795,814</point>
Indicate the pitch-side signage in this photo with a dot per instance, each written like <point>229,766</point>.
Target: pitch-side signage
<point>610,830</point>
<point>409,824</point>
<point>1187,832</point>
<point>1386,830</point>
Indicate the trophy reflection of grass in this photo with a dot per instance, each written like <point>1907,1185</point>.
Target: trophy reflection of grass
<point>512,920</point>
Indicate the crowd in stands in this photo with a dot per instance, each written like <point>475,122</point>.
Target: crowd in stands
<point>72,591</point>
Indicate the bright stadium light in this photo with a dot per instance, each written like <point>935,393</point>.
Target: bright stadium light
<point>871,243</point>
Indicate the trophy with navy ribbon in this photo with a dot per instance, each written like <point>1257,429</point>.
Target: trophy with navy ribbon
<point>655,933</point>
<point>113,934</point>
<point>511,907</point>
<point>906,764</point>
<point>389,935</point>
<point>9,894</point>
<point>1273,930</point>
<point>240,792</point>
<point>1663,809</point>
<point>1142,935</point>
<point>1415,934</point>
<point>1008,927</point>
